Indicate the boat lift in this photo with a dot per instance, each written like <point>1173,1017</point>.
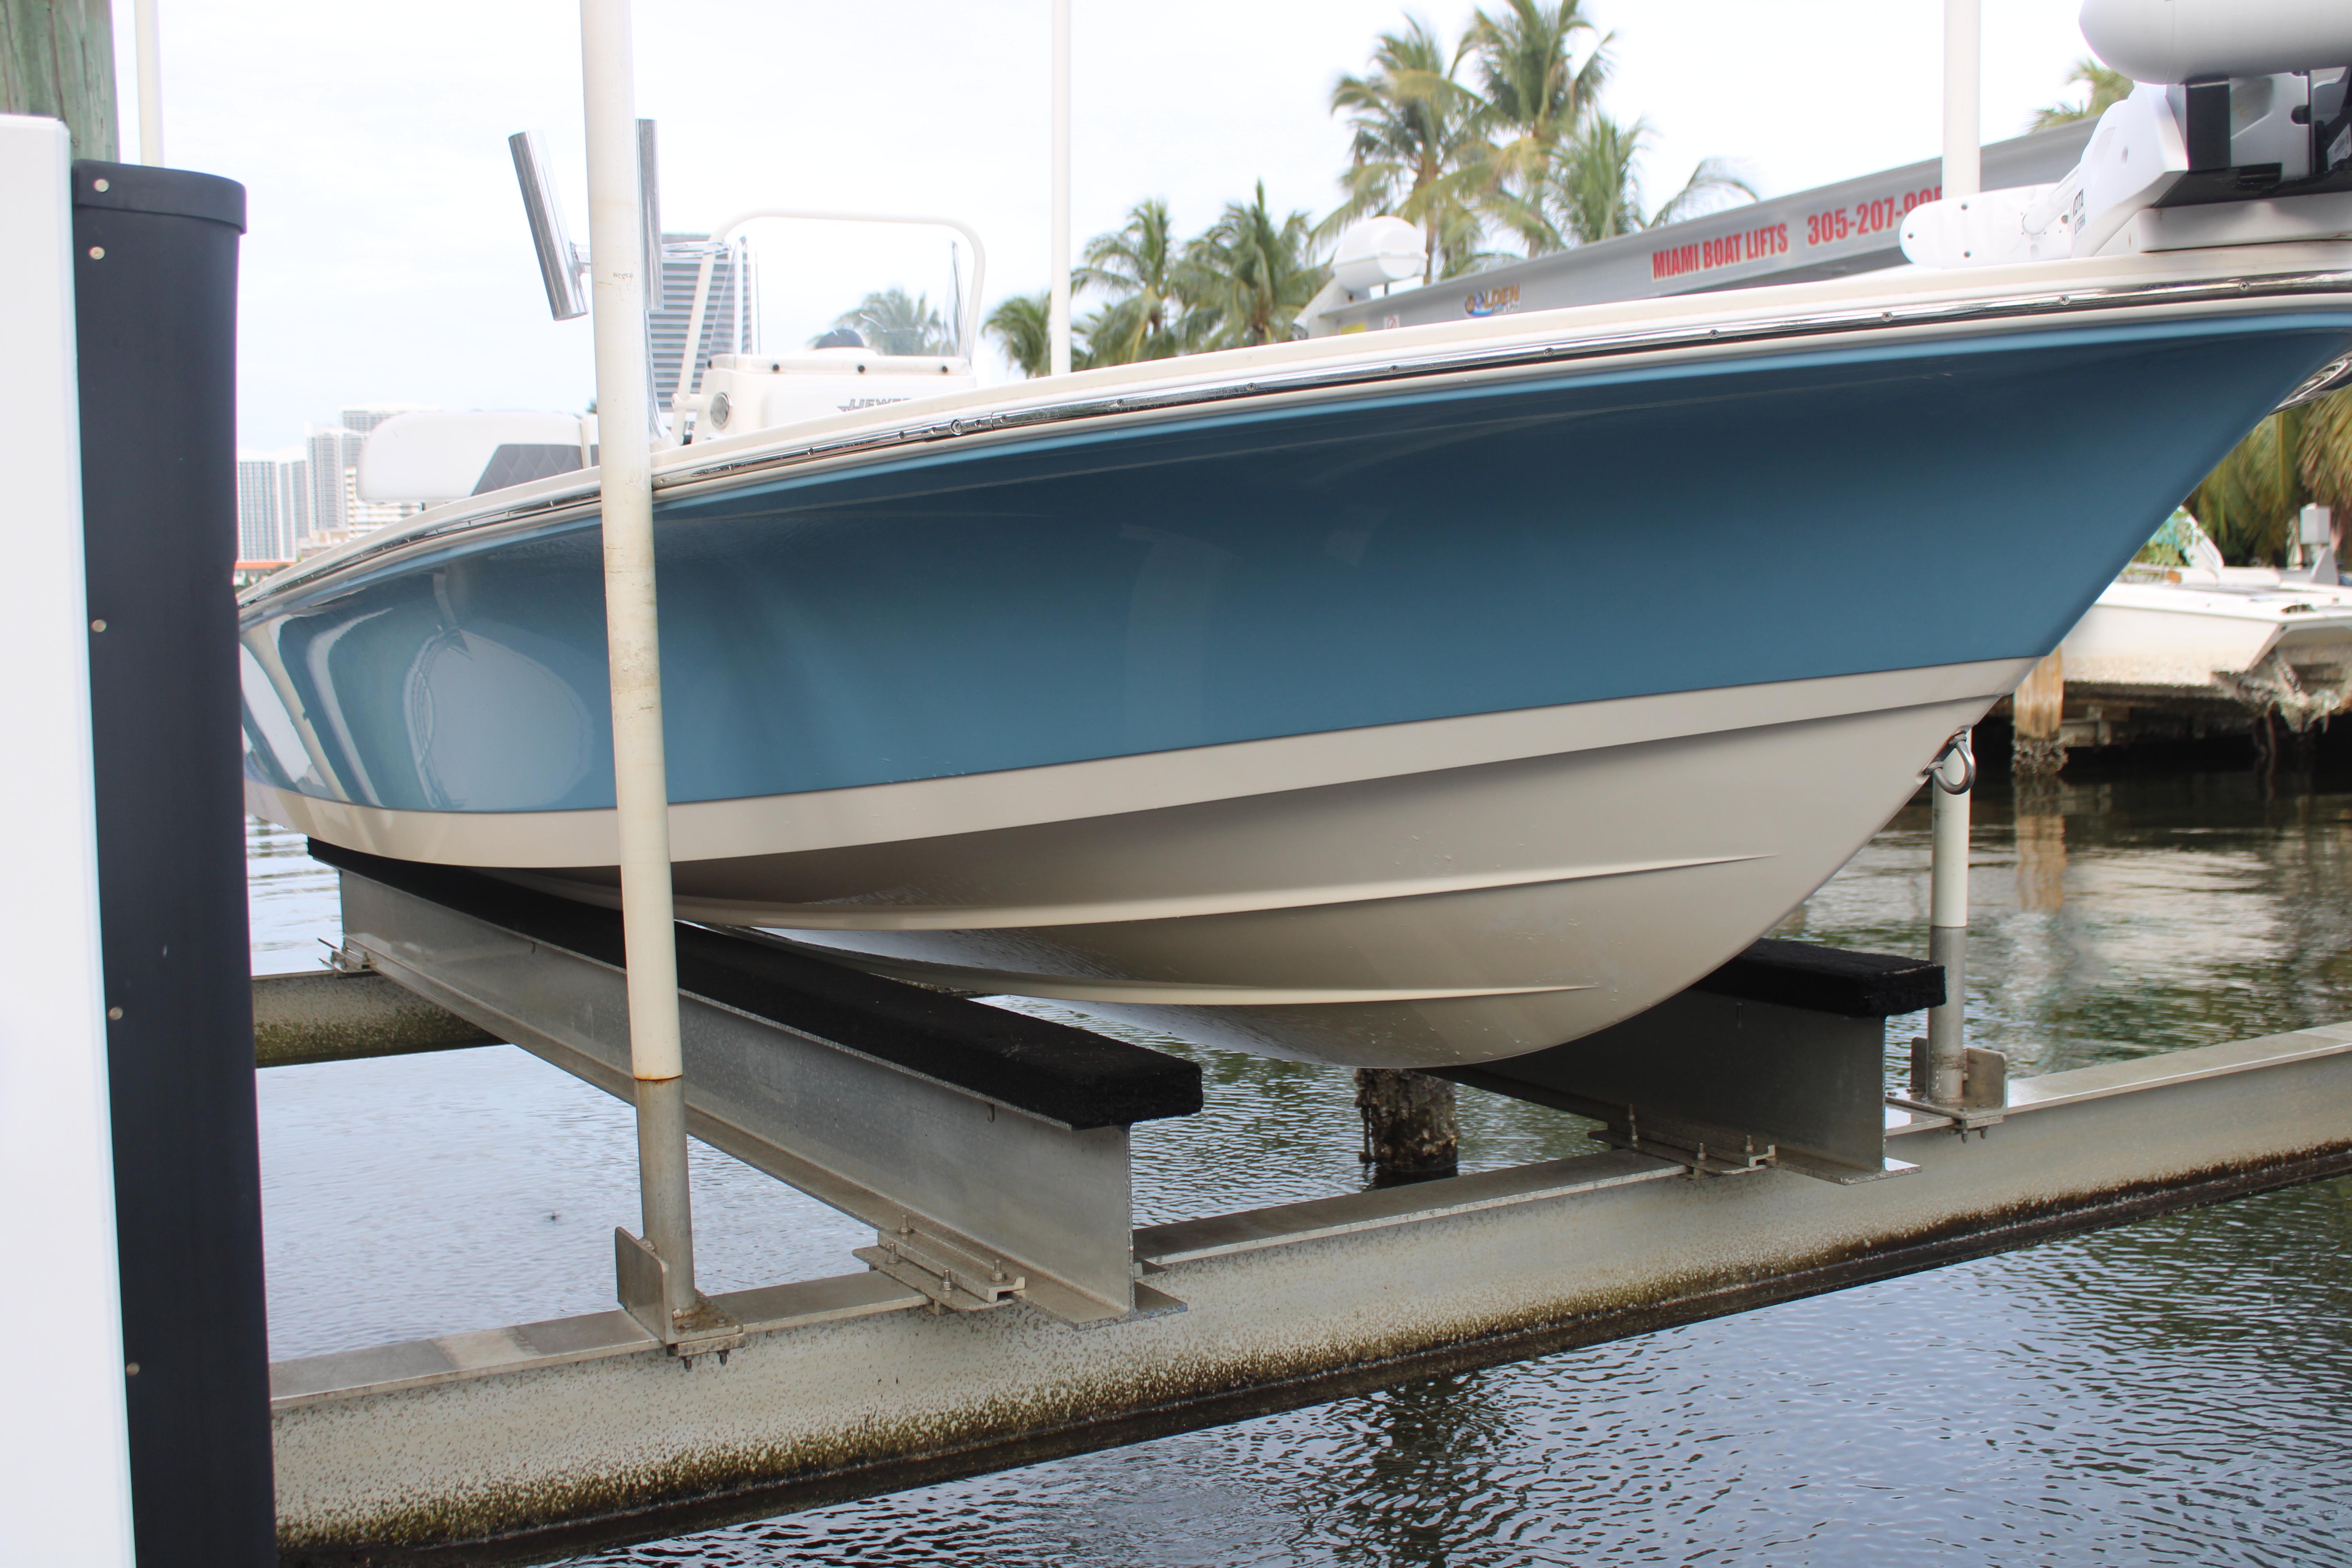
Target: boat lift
<point>1009,1309</point>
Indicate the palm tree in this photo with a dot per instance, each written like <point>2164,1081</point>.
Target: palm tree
<point>1590,189</point>
<point>1020,327</point>
<point>2107,89</point>
<point>2327,453</point>
<point>2248,504</point>
<point>1249,275</point>
<point>1533,90</point>
<point>1416,146</point>
<point>892,323</point>
<point>1140,264</point>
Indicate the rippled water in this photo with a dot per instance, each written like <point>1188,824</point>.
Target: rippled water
<point>2178,1391</point>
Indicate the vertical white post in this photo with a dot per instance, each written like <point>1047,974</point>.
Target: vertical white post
<point>1058,314</point>
<point>1963,136</point>
<point>149,50</point>
<point>1948,925</point>
<point>617,285</point>
<point>1947,919</point>
<point>65,1455</point>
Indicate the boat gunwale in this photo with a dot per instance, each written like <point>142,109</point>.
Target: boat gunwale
<point>1436,363</point>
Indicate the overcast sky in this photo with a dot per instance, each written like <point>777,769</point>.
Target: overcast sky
<point>387,260</point>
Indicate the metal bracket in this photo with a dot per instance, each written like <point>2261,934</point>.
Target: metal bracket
<point>954,1275</point>
<point>1984,1089</point>
<point>642,1282</point>
<point>1701,1150</point>
<point>346,959</point>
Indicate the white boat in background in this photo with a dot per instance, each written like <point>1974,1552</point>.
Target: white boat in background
<point>2276,639</point>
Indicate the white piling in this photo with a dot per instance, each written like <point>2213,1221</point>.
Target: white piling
<point>617,276</point>
<point>1058,313</point>
<point>149,47</point>
<point>1963,136</point>
<point>65,1455</point>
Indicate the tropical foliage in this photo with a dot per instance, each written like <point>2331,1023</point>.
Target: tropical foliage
<point>2103,89</point>
<point>1142,266</point>
<point>1250,275</point>
<point>1588,187</point>
<point>1019,327</point>
<point>1417,152</point>
<point>1495,139</point>
<point>892,323</point>
<point>2248,504</point>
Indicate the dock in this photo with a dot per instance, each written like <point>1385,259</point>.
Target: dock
<point>1009,1312</point>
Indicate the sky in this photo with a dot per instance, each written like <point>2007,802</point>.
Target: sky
<point>387,261</point>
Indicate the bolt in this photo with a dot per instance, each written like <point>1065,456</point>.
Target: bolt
<point>99,185</point>
<point>98,626</point>
<point>130,1368</point>
<point>114,1013</point>
<point>97,253</point>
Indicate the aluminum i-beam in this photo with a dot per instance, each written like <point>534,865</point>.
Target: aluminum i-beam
<point>582,1429</point>
<point>988,1150</point>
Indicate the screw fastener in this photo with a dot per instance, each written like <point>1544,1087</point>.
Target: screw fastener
<point>97,253</point>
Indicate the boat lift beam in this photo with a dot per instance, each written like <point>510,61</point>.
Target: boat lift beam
<point>549,1438</point>
<point>988,1150</point>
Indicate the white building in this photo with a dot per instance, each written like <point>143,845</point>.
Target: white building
<point>730,320</point>
<point>336,513</point>
<point>273,504</point>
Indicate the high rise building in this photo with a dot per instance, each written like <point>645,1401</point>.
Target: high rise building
<point>334,453</point>
<point>730,318</point>
<point>273,504</point>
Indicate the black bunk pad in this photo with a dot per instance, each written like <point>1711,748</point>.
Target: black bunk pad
<point>1070,1075</point>
<point>1830,980</point>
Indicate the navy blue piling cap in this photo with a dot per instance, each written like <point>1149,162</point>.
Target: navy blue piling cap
<point>167,193</point>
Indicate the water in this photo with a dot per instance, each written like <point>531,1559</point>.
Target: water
<point>2172,1392</point>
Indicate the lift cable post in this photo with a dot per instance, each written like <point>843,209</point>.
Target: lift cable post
<point>655,1275</point>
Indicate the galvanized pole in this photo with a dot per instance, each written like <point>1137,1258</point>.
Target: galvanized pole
<point>149,50</point>
<point>1947,921</point>
<point>616,242</point>
<point>1058,314</point>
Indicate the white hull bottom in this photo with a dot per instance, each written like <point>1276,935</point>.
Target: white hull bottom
<point>1420,895</point>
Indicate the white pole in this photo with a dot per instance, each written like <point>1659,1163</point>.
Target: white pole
<point>1948,919</point>
<point>1963,137</point>
<point>1948,925</point>
<point>150,51</point>
<point>1058,317</point>
<point>616,239</point>
<point>65,1453</point>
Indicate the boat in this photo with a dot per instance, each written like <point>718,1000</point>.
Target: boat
<point>1402,699</point>
<point>2278,639</point>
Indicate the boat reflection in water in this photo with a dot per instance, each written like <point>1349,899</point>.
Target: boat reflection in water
<point>1416,698</point>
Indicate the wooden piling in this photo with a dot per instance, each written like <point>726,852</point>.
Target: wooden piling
<point>1410,1127</point>
<point>56,57</point>
<point>2040,708</point>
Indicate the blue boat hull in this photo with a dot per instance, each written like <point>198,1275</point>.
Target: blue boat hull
<point>1577,542</point>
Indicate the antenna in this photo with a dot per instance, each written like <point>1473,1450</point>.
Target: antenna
<point>649,200</point>
<point>559,261</point>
